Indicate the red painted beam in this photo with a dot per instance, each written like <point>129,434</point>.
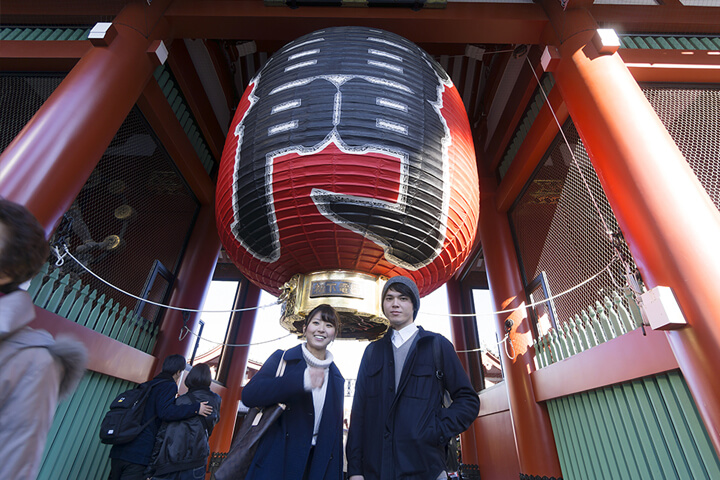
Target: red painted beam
<point>624,358</point>
<point>514,109</point>
<point>184,71</point>
<point>457,23</point>
<point>48,162</point>
<point>162,120</point>
<point>40,56</point>
<point>494,400</point>
<point>533,432</point>
<point>228,410</point>
<point>537,141</point>
<point>190,286</point>
<point>676,66</point>
<point>658,18</point>
<point>105,355</point>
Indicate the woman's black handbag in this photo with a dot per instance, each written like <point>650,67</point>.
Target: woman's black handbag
<point>256,423</point>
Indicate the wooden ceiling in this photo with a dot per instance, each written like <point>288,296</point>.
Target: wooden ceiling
<point>502,31</point>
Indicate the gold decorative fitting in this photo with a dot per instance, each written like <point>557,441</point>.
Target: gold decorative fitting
<point>112,242</point>
<point>356,297</point>
<point>123,212</point>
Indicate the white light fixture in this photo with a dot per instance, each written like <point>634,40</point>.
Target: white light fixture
<point>661,310</point>
<point>102,34</point>
<point>606,41</point>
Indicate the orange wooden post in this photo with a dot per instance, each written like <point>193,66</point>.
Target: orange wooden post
<point>191,285</point>
<point>49,161</point>
<point>534,440</point>
<point>223,433</point>
<point>463,340</point>
<point>670,223</point>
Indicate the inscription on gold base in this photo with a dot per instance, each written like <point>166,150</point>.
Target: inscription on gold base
<point>355,295</point>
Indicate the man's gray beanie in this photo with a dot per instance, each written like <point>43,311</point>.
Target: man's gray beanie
<point>413,289</point>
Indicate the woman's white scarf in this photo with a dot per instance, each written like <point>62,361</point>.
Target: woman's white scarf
<point>318,394</point>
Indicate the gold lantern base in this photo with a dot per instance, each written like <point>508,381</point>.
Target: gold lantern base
<point>355,296</point>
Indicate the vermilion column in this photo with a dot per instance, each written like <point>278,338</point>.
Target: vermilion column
<point>190,286</point>
<point>534,440</point>
<point>49,161</point>
<point>670,223</point>
<point>463,339</point>
<point>222,435</point>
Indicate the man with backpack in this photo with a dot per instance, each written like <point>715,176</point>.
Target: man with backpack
<point>129,460</point>
<point>398,425</point>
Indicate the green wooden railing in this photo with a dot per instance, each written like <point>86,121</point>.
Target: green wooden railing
<point>73,449</point>
<point>607,320</point>
<point>644,429</point>
<point>79,304</point>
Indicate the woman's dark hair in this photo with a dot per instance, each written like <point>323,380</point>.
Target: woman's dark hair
<point>24,249</point>
<point>327,314</point>
<point>173,364</point>
<point>199,377</point>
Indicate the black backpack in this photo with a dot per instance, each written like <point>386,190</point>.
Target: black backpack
<point>123,422</point>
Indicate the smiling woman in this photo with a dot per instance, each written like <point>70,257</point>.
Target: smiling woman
<point>320,329</point>
<point>311,386</point>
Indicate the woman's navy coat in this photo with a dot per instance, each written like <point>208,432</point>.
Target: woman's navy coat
<point>283,451</point>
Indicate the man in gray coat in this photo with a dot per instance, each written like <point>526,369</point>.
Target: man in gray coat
<point>37,370</point>
<point>398,426</point>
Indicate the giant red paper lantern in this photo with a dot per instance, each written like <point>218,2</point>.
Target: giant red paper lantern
<point>351,150</point>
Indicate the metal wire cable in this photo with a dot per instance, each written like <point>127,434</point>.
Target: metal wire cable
<point>529,304</point>
<point>608,231</point>
<point>56,250</point>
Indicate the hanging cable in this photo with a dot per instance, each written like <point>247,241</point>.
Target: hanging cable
<point>181,309</point>
<point>539,302</point>
<point>234,344</point>
<point>505,340</point>
<point>611,234</point>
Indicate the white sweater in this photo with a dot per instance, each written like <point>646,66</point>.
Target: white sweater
<point>318,394</point>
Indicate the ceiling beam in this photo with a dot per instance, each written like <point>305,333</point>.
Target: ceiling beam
<point>669,18</point>
<point>34,56</point>
<point>683,66</point>
<point>164,123</point>
<point>184,72</point>
<point>513,111</point>
<point>458,23</point>
<point>543,131</point>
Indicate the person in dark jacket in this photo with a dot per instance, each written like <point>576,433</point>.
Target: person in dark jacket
<point>398,427</point>
<point>128,461</point>
<point>306,441</point>
<point>182,448</point>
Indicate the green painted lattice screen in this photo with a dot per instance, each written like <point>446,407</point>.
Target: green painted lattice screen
<point>644,429</point>
<point>73,449</point>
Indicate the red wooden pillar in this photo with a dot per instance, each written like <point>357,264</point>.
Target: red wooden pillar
<point>670,223</point>
<point>223,433</point>
<point>534,440</point>
<point>463,339</point>
<point>190,287</point>
<point>49,161</point>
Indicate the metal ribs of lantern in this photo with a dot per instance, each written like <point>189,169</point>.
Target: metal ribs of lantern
<point>350,151</point>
